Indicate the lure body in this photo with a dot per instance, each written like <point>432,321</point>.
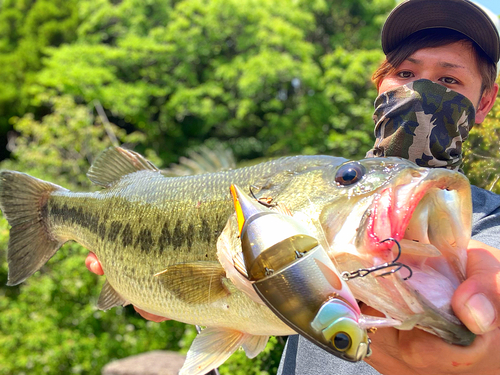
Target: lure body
<point>296,279</point>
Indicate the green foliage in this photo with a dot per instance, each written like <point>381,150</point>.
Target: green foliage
<point>63,144</point>
<point>266,75</point>
<point>26,28</point>
<point>482,154</point>
<point>265,363</point>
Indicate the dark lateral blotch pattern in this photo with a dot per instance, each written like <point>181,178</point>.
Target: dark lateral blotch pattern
<point>146,239</point>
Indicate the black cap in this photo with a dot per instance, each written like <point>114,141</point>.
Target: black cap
<point>463,16</point>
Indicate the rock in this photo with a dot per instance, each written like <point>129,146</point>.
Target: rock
<point>157,362</point>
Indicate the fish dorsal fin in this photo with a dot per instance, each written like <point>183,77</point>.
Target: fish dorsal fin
<point>109,298</point>
<point>116,162</point>
<point>195,282</point>
<point>213,346</point>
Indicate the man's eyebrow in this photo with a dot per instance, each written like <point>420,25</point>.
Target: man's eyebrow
<point>444,64</point>
<point>415,61</point>
<point>451,65</point>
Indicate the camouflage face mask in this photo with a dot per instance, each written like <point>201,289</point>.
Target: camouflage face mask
<point>424,122</point>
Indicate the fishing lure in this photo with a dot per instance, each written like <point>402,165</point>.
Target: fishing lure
<point>295,278</point>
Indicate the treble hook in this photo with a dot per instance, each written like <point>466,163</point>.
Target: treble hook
<point>362,272</point>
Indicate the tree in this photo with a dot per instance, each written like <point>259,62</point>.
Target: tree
<point>482,154</point>
<point>26,28</point>
<point>271,77</point>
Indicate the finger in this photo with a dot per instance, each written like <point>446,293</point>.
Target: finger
<point>384,345</point>
<point>476,301</point>
<point>149,316</point>
<point>93,264</point>
<point>430,354</point>
<point>418,352</point>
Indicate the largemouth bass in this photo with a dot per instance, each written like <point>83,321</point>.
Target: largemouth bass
<point>157,238</point>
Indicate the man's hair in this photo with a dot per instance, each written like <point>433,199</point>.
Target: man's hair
<point>432,38</point>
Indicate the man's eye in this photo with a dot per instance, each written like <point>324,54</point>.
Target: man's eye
<point>405,74</point>
<point>449,80</point>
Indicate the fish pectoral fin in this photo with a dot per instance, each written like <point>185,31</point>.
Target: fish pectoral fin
<point>110,298</point>
<point>282,209</point>
<point>116,162</point>
<point>231,258</point>
<point>239,263</point>
<point>196,282</point>
<point>213,346</point>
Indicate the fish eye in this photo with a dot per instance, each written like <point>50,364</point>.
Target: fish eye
<point>341,341</point>
<point>349,173</point>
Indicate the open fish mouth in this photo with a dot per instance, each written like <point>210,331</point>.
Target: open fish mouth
<point>428,211</point>
<point>439,230</point>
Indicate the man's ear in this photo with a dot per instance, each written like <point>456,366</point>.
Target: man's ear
<point>486,103</point>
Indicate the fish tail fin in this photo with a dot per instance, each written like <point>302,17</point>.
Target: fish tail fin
<point>23,201</point>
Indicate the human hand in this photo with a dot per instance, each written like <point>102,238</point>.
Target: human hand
<point>476,301</point>
<point>93,265</point>
<point>417,352</point>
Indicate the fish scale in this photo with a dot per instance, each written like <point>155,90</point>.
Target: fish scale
<point>137,227</point>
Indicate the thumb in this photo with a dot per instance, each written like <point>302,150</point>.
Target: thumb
<point>476,301</point>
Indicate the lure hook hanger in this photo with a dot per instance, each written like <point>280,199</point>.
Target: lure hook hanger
<point>265,204</point>
<point>394,264</point>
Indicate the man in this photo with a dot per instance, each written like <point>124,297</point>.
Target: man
<point>432,47</point>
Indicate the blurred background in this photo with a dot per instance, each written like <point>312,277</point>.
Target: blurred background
<point>492,5</point>
<point>261,78</point>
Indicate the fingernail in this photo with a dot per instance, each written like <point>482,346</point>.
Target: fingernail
<point>482,311</point>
